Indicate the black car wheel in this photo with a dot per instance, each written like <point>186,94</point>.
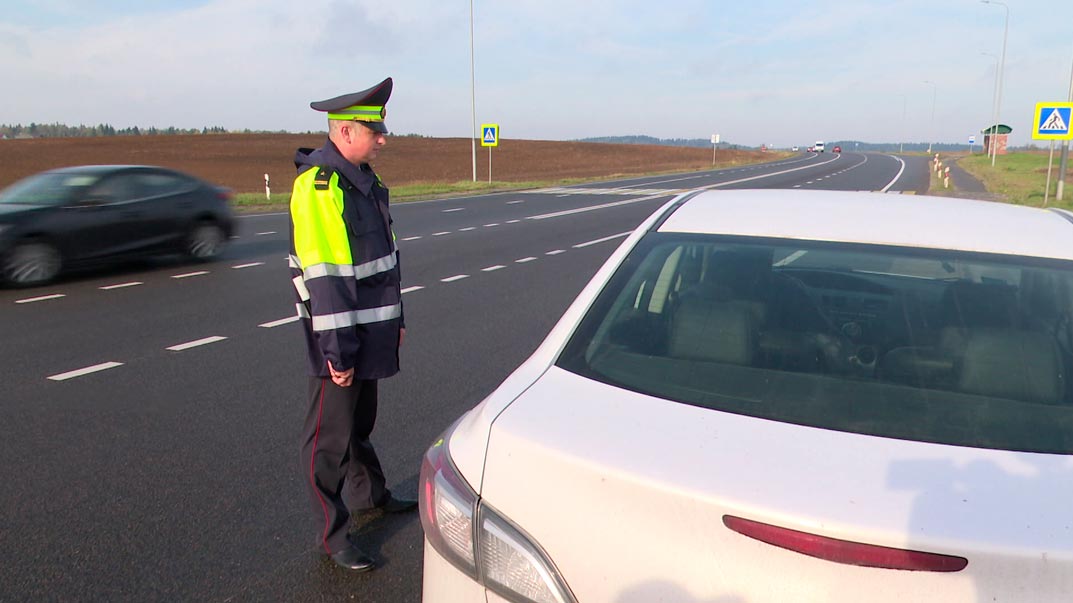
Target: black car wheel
<point>29,264</point>
<point>206,241</point>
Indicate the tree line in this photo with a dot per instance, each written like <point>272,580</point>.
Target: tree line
<point>35,130</point>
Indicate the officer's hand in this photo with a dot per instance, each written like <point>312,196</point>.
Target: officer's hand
<point>341,378</point>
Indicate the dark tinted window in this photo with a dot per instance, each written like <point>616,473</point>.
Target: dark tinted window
<point>158,184</point>
<point>924,345</point>
<point>117,188</point>
<point>49,188</point>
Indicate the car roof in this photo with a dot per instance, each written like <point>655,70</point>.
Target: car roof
<point>879,219</point>
<point>104,169</point>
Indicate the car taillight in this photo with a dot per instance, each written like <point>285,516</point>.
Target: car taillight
<point>492,550</point>
<point>844,551</point>
<point>447,505</point>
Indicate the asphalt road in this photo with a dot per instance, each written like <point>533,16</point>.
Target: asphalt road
<point>150,414</point>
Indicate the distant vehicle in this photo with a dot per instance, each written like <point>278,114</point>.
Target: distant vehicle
<point>74,216</point>
<point>811,150</point>
<point>837,149</point>
<point>750,404</point>
<point>818,146</point>
<point>793,148</point>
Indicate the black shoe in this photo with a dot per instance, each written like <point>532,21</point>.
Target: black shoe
<point>353,559</point>
<point>398,505</point>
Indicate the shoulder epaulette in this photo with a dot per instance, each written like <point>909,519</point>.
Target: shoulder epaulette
<point>324,176</point>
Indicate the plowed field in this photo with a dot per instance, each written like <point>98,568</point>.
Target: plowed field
<point>240,161</point>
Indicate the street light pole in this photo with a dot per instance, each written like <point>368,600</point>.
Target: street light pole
<point>1002,73</point>
<point>472,93</point>
<point>931,133</point>
<point>901,133</point>
<point>1065,149</point>
<point>994,106</point>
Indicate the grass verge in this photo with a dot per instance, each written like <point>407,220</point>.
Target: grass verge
<point>1019,177</point>
<point>257,202</point>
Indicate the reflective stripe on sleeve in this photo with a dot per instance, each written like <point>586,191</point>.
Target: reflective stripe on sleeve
<point>300,286</point>
<point>384,264</point>
<point>341,320</point>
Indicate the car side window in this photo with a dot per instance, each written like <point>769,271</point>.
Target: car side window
<point>158,184</point>
<point>116,189</point>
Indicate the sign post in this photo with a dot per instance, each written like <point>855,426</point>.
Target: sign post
<point>489,138</point>
<point>715,143</point>
<point>972,141</point>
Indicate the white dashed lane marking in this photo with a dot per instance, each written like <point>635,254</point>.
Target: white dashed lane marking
<point>467,229</point>
<point>85,371</point>
<point>491,225</point>
<point>30,300</point>
<point>454,278</point>
<point>267,232</point>
<point>524,260</point>
<point>440,234</point>
<point>555,252</point>
<point>250,265</point>
<point>193,344</point>
<point>189,274</point>
<point>411,238</point>
<point>493,268</point>
<point>453,209</point>
<point>603,240</point>
<point>412,289</point>
<point>280,322</point>
<point>121,286</point>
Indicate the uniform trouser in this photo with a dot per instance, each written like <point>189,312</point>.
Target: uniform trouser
<point>342,471</point>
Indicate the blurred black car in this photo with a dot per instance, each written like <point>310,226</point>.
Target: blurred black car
<point>68,217</point>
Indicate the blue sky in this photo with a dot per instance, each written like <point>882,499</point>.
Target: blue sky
<point>755,72</point>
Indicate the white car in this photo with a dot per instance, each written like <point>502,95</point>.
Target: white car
<point>772,396</point>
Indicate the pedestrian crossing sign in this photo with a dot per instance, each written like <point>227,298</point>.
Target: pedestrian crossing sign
<point>489,135</point>
<point>1053,121</point>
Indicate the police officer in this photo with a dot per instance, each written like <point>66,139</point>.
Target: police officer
<point>345,269</point>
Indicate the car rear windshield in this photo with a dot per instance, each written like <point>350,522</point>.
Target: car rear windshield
<point>916,344</point>
<point>49,188</point>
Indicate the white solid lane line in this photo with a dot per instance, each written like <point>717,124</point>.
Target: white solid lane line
<point>454,278</point>
<point>193,344</point>
<point>603,240</point>
<point>276,323</point>
<point>412,289</point>
<point>31,300</point>
<point>85,371</point>
<point>250,265</point>
<point>189,274</point>
<point>121,285</point>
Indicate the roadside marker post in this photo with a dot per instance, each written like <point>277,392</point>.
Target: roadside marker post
<point>489,138</point>
<point>268,191</point>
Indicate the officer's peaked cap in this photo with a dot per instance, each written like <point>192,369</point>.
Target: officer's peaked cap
<point>366,106</point>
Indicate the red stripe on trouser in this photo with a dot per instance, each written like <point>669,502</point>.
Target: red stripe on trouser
<point>312,480</point>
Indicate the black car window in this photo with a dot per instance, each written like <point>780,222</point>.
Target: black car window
<point>49,188</point>
<point>917,344</point>
<point>159,184</point>
<point>117,188</point>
